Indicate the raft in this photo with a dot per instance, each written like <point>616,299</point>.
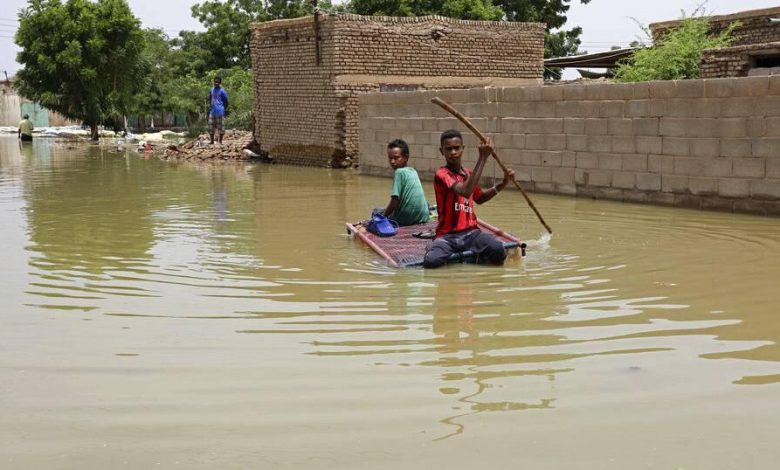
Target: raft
<point>404,250</point>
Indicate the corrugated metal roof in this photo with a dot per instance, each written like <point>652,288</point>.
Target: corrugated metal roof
<point>607,59</point>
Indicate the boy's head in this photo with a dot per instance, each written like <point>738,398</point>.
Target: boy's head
<point>452,147</point>
<point>397,153</point>
<point>217,81</point>
<point>26,116</point>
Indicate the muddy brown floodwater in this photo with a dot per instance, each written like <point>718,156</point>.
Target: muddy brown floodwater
<point>169,315</point>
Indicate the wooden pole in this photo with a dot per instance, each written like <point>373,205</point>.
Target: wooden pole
<point>461,118</point>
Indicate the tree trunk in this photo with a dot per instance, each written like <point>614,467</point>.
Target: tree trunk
<point>94,131</point>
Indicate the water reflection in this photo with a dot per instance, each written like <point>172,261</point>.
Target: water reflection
<point>81,228</point>
<point>26,148</point>
<point>627,309</point>
<point>467,361</point>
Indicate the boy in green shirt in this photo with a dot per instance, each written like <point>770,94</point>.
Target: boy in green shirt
<point>25,129</point>
<point>407,205</point>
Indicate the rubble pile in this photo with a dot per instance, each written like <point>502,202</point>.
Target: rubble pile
<point>236,145</point>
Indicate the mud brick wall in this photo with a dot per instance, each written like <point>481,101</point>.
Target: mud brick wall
<point>754,37</point>
<point>293,92</point>
<point>436,46</point>
<point>696,143</point>
<point>754,27</point>
<point>307,113</point>
<point>734,61</point>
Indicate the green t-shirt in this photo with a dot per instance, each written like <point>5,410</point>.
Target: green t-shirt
<point>412,205</point>
<point>26,127</point>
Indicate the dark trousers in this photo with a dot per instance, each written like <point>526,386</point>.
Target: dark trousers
<point>25,137</point>
<point>488,248</point>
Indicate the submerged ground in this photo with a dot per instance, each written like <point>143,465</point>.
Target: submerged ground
<point>160,314</point>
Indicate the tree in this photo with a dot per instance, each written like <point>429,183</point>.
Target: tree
<point>238,83</point>
<point>460,9</point>
<point>560,44</point>
<point>676,55</point>
<point>81,58</point>
<point>225,43</point>
<point>187,95</point>
<point>281,9</point>
<point>188,54</point>
<point>226,39</point>
<point>551,12</point>
<point>150,99</point>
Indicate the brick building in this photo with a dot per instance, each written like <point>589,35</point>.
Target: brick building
<point>309,72</point>
<point>755,49</point>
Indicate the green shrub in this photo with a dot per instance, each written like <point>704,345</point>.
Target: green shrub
<point>676,55</point>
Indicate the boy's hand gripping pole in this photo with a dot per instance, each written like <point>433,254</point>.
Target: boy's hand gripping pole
<point>461,118</point>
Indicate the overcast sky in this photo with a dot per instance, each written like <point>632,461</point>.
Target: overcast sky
<point>604,22</point>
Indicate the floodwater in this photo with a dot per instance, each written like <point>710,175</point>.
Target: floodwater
<point>176,316</point>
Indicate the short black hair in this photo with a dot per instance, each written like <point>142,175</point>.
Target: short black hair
<point>218,78</point>
<point>399,144</point>
<point>450,134</point>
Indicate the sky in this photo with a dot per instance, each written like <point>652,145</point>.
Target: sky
<point>171,16</point>
<point>605,23</point>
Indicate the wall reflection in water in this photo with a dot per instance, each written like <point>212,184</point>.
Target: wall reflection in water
<point>627,305</point>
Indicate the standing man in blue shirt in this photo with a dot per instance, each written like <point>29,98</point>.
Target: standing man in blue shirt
<point>218,110</point>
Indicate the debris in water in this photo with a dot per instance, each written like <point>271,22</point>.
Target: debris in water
<point>236,145</point>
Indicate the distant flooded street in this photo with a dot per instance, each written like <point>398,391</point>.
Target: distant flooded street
<point>218,316</point>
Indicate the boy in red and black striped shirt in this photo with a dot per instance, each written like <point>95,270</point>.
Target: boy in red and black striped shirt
<point>457,189</point>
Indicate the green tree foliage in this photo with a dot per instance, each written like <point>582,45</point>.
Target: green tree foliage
<point>676,55</point>
<point>281,9</point>
<point>225,43</point>
<point>189,95</point>
<point>226,39</point>
<point>557,42</point>
<point>461,9</point>
<point>551,12</point>
<point>156,58</point>
<point>238,83</point>
<point>80,58</point>
<point>560,44</point>
<point>188,54</point>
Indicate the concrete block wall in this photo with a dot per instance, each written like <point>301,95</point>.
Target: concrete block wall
<point>307,113</point>
<point>697,143</point>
